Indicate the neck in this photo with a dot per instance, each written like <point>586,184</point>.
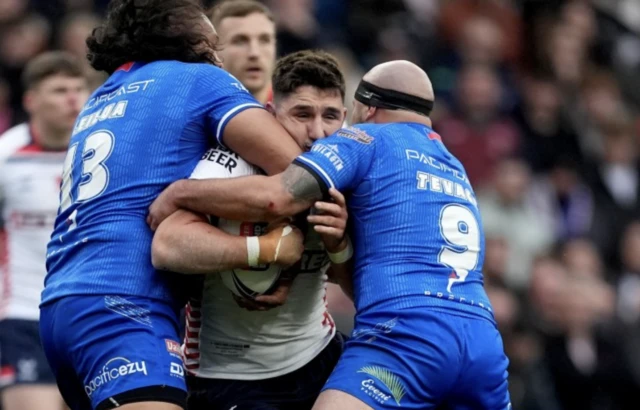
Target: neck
<point>49,138</point>
<point>403,116</point>
<point>263,94</point>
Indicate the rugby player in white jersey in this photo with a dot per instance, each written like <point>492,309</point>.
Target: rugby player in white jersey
<point>278,358</point>
<point>31,158</point>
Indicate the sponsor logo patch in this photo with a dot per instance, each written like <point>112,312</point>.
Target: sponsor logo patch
<point>390,381</point>
<point>356,134</point>
<point>173,347</point>
<point>176,370</point>
<point>114,369</point>
<point>331,153</point>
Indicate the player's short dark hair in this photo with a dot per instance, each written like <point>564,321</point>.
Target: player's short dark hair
<point>238,8</point>
<point>49,64</point>
<point>308,67</point>
<point>150,30</point>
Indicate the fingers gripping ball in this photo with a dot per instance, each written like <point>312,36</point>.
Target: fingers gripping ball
<point>258,278</point>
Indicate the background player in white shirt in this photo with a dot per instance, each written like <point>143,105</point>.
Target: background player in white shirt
<point>248,34</point>
<point>31,158</point>
<point>278,358</point>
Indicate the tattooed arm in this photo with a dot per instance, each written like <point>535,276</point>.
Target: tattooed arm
<point>254,198</point>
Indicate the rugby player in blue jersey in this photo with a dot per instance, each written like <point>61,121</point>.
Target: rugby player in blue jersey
<point>425,335</point>
<point>109,320</point>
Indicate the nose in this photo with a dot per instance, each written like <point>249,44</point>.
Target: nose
<point>316,130</point>
<point>77,99</point>
<point>254,49</point>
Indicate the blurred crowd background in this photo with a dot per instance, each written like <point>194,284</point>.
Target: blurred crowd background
<point>539,100</point>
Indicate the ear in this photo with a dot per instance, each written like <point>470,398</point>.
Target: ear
<point>271,108</point>
<point>371,112</point>
<point>28,101</point>
<point>344,114</point>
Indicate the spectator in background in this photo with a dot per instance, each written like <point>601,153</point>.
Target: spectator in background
<point>479,40</point>
<point>21,40</point>
<point>581,257</point>
<point>248,34</point>
<point>615,180</point>
<point>545,135</point>
<point>562,200</point>
<point>600,101</point>
<point>628,289</point>
<point>457,12</point>
<point>478,134</point>
<point>584,364</point>
<point>72,37</point>
<point>6,113</point>
<point>31,158</point>
<point>297,26</point>
<point>10,10</point>
<point>507,214</point>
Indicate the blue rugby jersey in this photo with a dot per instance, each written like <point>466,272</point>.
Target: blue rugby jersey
<point>146,127</point>
<point>416,226</point>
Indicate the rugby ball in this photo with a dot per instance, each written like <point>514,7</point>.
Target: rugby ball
<point>254,281</point>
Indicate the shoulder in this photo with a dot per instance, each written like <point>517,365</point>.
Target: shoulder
<point>221,162</point>
<point>13,140</point>
<point>178,71</point>
<point>212,72</point>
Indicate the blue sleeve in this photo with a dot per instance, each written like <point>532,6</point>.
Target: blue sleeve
<point>222,96</point>
<point>341,160</point>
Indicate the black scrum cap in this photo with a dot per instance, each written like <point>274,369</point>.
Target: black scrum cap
<point>374,96</point>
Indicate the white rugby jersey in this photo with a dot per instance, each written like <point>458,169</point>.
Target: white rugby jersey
<point>224,341</point>
<point>29,196</point>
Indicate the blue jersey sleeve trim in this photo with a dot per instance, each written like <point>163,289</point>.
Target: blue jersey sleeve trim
<point>229,115</point>
<point>317,173</point>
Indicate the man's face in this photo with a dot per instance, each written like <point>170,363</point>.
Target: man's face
<point>309,114</point>
<point>57,101</point>
<point>249,49</point>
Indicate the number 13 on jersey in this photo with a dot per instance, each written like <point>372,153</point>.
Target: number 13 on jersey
<point>94,175</point>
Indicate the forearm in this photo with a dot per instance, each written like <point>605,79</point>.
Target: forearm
<point>234,198</point>
<point>341,274</point>
<point>255,198</point>
<point>196,248</point>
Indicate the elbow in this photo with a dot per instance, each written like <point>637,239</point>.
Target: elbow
<point>161,253</point>
<point>277,205</point>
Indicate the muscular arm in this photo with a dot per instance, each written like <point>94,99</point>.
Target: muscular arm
<point>341,274</point>
<point>254,198</point>
<point>185,242</point>
<point>258,138</point>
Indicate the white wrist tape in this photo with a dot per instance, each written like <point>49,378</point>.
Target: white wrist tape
<point>253,251</point>
<point>285,231</point>
<point>342,256</point>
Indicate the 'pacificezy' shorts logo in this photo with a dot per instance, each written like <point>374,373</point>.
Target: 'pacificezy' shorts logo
<point>114,369</point>
<point>389,380</point>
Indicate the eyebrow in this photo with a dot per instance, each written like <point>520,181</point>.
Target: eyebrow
<point>303,107</point>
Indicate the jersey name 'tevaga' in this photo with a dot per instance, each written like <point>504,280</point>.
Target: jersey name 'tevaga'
<point>146,127</point>
<point>418,237</point>
<point>227,342</point>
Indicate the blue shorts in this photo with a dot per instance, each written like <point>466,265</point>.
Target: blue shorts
<point>22,359</point>
<point>297,390</point>
<point>422,359</point>
<point>106,351</point>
